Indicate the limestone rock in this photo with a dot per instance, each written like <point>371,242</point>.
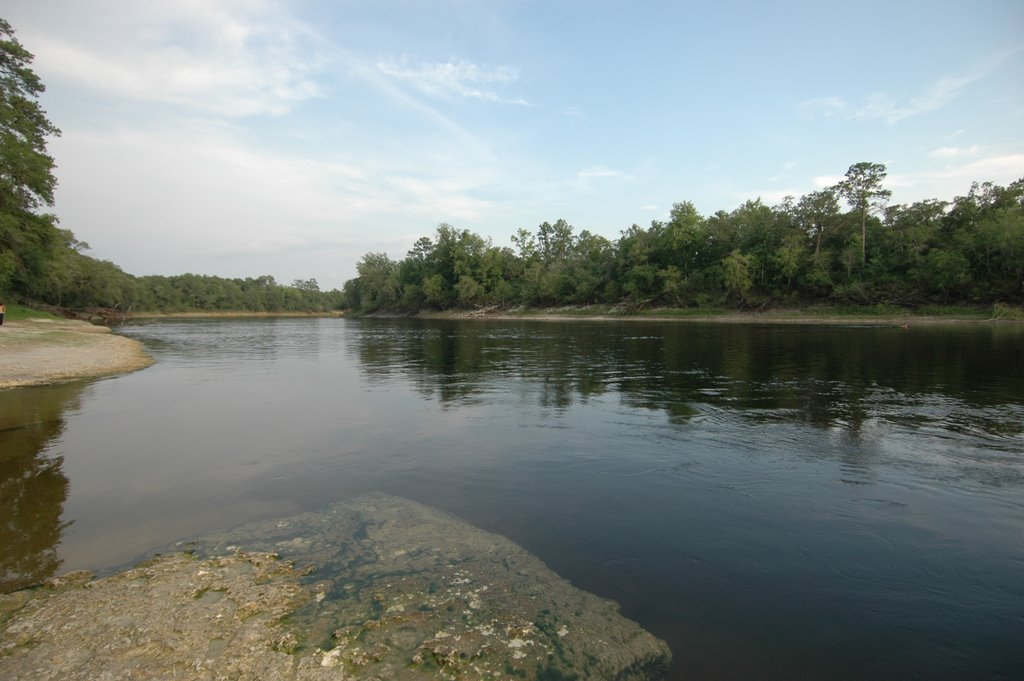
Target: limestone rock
<point>386,589</point>
<point>174,617</point>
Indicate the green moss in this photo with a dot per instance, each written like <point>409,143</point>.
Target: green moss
<point>514,671</point>
<point>552,673</point>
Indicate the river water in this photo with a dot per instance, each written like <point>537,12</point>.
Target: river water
<point>776,502</point>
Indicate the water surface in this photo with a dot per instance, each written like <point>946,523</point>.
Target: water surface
<point>774,501</point>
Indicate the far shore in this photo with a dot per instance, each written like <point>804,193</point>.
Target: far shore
<point>47,351</point>
<point>805,316</point>
<point>779,316</point>
<point>205,314</point>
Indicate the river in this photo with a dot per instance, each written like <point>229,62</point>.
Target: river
<point>776,502</point>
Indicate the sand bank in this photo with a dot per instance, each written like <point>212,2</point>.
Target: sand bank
<point>45,351</point>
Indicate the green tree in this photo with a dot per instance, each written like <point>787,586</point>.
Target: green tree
<point>945,270</point>
<point>377,287</point>
<point>817,212</point>
<point>685,234</point>
<point>863,190</point>
<point>737,279</point>
<point>789,257</point>
<point>555,241</point>
<point>469,292</point>
<point>28,238</point>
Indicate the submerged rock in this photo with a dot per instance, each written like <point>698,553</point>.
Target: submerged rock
<point>387,589</point>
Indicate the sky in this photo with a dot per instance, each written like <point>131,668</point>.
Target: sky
<point>250,137</point>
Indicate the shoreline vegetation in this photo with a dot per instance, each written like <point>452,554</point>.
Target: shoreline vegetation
<point>810,315</point>
<point>230,314</point>
<point>806,315</point>
<point>816,314</point>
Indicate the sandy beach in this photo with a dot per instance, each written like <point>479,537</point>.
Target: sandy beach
<point>41,352</point>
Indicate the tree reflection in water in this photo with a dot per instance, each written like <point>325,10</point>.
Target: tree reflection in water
<point>33,487</point>
<point>837,378</point>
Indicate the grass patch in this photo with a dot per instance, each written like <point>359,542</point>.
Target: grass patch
<point>18,312</point>
<point>1004,311</point>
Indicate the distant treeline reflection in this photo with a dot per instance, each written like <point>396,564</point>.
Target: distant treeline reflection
<point>826,376</point>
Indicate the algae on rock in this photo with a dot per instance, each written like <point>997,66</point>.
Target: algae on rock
<point>389,589</point>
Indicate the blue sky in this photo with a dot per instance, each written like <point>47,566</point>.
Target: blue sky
<point>242,138</point>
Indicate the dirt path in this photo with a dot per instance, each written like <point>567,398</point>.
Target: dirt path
<point>40,352</point>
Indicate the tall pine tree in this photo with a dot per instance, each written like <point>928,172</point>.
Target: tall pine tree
<point>28,237</point>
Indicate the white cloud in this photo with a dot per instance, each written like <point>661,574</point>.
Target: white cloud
<point>226,58</point>
<point>771,197</point>
<point>1001,169</point>
<point>882,106</point>
<point>598,171</point>
<point>198,200</point>
<point>954,177</point>
<point>822,181</point>
<point>893,109</point>
<point>955,152</point>
<point>158,189</point>
<point>459,79</point>
<point>596,178</point>
<point>821,107</point>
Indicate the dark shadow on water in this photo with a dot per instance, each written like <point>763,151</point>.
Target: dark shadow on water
<point>33,487</point>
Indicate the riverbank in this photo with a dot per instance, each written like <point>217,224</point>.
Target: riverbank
<point>805,316</point>
<point>231,314</point>
<point>45,351</point>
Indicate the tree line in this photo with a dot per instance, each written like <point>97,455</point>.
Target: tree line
<point>75,280</point>
<point>839,245</point>
<point>42,263</point>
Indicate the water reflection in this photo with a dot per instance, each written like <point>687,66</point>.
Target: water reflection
<point>836,378</point>
<point>33,486</point>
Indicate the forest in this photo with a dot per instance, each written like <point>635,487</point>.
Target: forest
<point>841,245</point>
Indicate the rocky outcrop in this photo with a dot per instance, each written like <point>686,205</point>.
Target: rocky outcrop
<point>384,589</point>
<point>175,617</point>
